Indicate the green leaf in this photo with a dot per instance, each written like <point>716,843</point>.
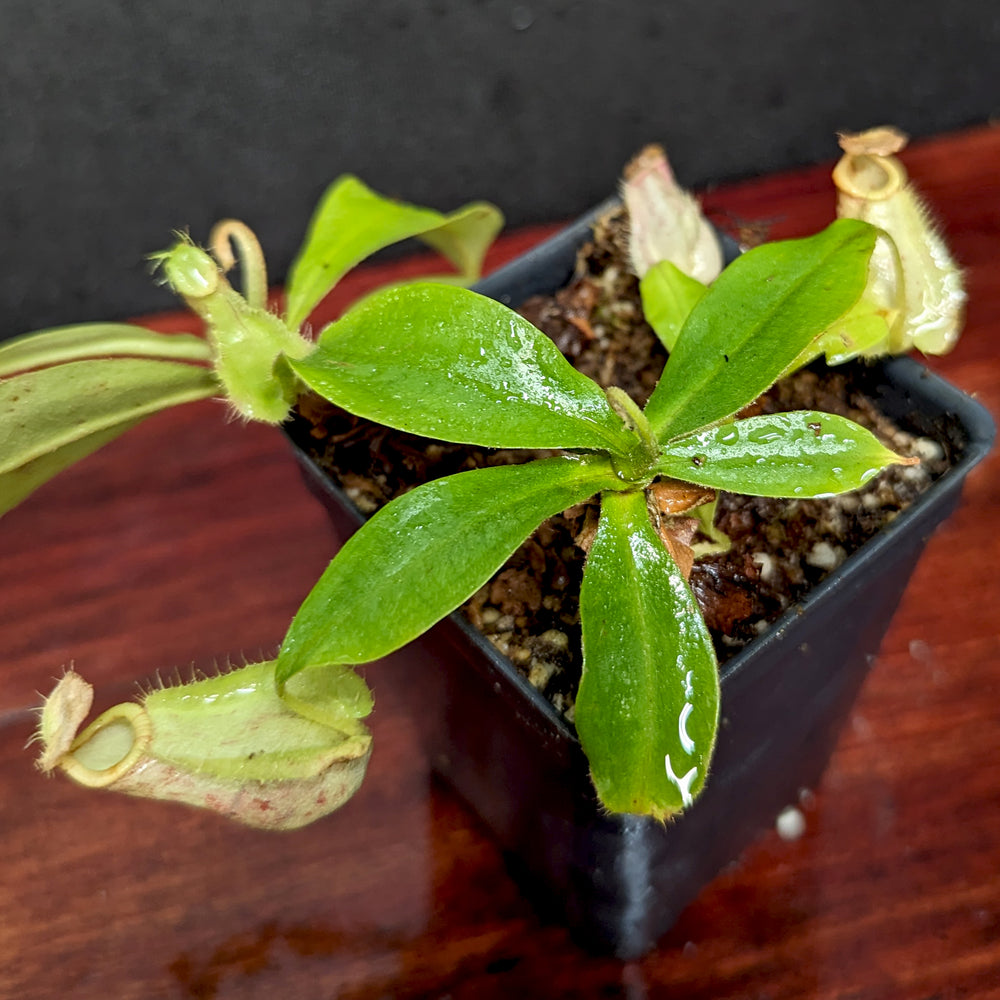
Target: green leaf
<point>798,454</point>
<point>97,340</point>
<point>22,481</point>
<point>668,296</point>
<point>758,316</point>
<point>43,412</point>
<point>648,704</point>
<point>717,541</point>
<point>448,363</point>
<point>425,553</point>
<point>351,222</point>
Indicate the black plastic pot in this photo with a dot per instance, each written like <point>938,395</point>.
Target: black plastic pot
<point>621,881</point>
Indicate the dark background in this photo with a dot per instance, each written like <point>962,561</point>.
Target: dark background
<point>122,121</point>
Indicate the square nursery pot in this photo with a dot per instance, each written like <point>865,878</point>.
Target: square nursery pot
<point>621,881</point>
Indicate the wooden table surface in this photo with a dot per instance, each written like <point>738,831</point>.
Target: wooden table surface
<point>191,541</point>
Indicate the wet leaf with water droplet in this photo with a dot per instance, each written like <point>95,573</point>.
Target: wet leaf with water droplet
<point>423,554</point>
<point>448,363</point>
<point>648,703</point>
<point>803,453</point>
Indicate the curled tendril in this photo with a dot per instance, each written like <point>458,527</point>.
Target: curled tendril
<point>253,270</point>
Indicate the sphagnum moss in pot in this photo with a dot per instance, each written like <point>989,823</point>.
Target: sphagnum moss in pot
<point>598,818</point>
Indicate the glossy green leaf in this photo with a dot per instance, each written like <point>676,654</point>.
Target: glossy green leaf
<point>448,363</point>
<point>668,296</point>
<point>800,454</point>
<point>351,222</point>
<point>648,705</point>
<point>97,340</point>
<point>425,553</point>
<point>758,316</point>
<point>43,412</point>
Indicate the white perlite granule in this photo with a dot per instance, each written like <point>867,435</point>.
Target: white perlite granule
<point>791,823</point>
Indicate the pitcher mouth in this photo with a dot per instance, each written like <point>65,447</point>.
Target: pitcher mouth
<point>869,168</point>
<point>109,747</point>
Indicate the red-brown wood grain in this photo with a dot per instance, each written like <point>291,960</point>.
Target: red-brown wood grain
<point>191,541</point>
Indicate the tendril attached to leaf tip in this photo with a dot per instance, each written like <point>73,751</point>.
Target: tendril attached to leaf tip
<point>253,270</point>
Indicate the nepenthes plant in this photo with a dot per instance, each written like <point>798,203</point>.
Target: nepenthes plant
<point>278,744</point>
<point>647,706</point>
